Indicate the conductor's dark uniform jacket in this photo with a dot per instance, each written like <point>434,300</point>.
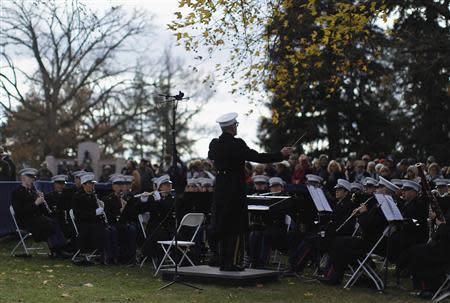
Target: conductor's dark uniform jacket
<point>229,209</point>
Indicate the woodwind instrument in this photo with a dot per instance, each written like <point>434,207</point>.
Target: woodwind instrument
<point>432,202</point>
<point>41,194</point>
<point>145,193</point>
<point>355,211</point>
<point>101,204</point>
<point>433,205</point>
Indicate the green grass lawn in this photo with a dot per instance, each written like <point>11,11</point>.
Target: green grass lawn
<point>39,279</point>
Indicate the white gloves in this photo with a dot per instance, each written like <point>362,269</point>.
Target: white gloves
<point>99,211</point>
<point>157,196</point>
<point>144,198</point>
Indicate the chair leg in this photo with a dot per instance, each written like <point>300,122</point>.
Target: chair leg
<point>143,261</point>
<point>166,255</point>
<point>444,285</point>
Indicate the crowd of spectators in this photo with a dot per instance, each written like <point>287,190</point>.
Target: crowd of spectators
<point>291,171</point>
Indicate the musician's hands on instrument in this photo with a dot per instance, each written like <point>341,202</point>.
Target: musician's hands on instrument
<point>39,200</point>
<point>287,151</point>
<point>362,208</point>
<point>156,195</point>
<point>431,214</point>
<point>99,211</point>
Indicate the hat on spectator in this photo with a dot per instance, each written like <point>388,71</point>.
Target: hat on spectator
<point>162,180</point>
<point>386,183</point>
<point>85,178</point>
<point>356,185</point>
<point>227,119</point>
<point>276,181</point>
<point>397,182</point>
<point>342,183</point>
<point>59,178</point>
<point>368,181</point>
<point>409,184</point>
<point>441,182</point>
<point>314,178</point>
<point>260,179</point>
<point>30,172</point>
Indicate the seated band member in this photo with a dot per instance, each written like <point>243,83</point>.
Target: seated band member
<point>414,228</point>
<point>442,194</point>
<point>356,187</point>
<point>260,184</point>
<point>89,217</point>
<point>428,263</point>
<point>161,225</point>
<point>34,215</point>
<point>59,201</point>
<point>122,216</point>
<point>272,233</point>
<point>347,249</point>
<point>319,240</point>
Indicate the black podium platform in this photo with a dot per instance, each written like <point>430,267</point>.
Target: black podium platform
<point>212,275</point>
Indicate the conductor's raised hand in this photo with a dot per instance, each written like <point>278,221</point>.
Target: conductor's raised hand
<point>287,151</point>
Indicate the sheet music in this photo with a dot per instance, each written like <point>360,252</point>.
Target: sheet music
<point>389,208</point>
<point>320,201</point>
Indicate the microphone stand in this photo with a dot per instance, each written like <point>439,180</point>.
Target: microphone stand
<point>174,100</point>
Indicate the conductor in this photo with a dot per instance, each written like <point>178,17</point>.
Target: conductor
<point>229,208</point>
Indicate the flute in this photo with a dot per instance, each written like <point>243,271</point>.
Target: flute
<point>145,193</point>
<point>353,214</point>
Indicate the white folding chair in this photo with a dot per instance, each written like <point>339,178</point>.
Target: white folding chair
<point>444,291</point>
<point>23,235</point>
<point>193,220</point>
<point>72,219</point>
<point>364,266</point>
<point>277,255</point>
<point>143,219</point>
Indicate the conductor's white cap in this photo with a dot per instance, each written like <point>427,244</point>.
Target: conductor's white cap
<point>227,119</point>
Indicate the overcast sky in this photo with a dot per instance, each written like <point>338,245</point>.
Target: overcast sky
<point>223,101</point>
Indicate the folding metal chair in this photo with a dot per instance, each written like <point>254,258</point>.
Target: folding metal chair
<point>23,235</point>
<point>72,219</point>
<point>193,220</point>
<point>444,291</point>
<point>143,219</point>
<point>277,255</point>
<point>364,266</point>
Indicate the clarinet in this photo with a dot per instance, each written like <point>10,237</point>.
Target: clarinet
<point>432,202</point>
<point>101,204</point>
<point>41,194</point>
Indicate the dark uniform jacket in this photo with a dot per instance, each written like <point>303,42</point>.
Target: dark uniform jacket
<point>84,206</point>
<point>415,213</point>
<point>59,203</point>
<point>229,209</point>
<point>31,217</point>
<point>341,212</point>
<point>113,206</point>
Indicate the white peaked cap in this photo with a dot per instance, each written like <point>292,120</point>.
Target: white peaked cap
<point>342,183</point>
<point>227,119</point>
